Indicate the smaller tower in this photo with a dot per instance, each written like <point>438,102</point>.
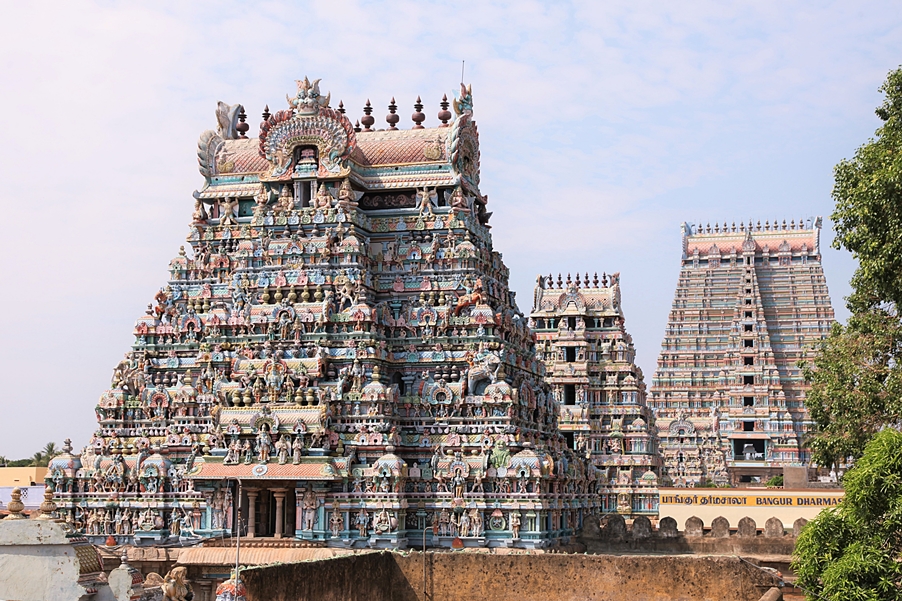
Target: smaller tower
<point>589,359</point>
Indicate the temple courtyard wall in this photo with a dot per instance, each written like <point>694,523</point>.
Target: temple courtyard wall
<point>768,544</point>
<point>391,576</point>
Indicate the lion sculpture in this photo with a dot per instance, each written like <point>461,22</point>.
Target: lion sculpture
<point>175,585</point>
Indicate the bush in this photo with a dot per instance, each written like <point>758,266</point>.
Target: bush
<point>851,552</point>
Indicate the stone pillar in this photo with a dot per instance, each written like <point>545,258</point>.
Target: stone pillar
<point>251,510</point>
<point>279,494</point>
<point>206,590</point>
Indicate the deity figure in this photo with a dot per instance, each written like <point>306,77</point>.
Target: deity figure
<point>264,444</point>
<point>475,522</point>
<point>362,522</point>
<point>227,211</point>
<point>444,522</point>
<point>384,522</point>
<point>323,198</point>
<point>336,522</point>
<point>309,507</point>
<point>458,483</point>
<point>464,524</point>
<point>200,214</point>
<point>515,524</point>
<point>459,202</point>
<point>501,455</point>
<point>297,448</point>
<point>232,452</point>
<point>347,198</point>
<point>285,202</point>
<point>282,448</point>
<point>426,200</point>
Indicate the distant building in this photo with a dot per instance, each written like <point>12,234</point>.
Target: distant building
<point>22,476</point>
<point>589,361</point>
<point>728,393</point>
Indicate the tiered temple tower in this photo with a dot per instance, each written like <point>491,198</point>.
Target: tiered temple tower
<point>589,361</point>
<point>338,349</point>
<point>728,393</point>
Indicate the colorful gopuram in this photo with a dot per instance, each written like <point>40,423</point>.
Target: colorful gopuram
<point>728,393</point>
<point>589,362</point>
<point>337,357</point>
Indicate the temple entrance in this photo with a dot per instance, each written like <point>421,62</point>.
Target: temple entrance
<point>271,512</point>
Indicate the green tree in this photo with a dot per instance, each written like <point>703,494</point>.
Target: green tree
<point>868,214</point>
<point>856,376</point>
<point>854,551</point>
<point>42,458</point>
<point>856,385</point>
<point>50,451</point>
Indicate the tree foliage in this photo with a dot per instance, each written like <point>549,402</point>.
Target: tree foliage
<point>856,385</point>
<point>868,214</point>
<point>856,377</point>
<point>854,551</point>
<point>38,459</point>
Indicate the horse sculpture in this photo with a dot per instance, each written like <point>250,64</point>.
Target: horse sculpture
<point>467,300</point>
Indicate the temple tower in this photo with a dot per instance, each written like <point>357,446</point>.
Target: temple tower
<point>337,348</point>
<point>589,361</point>
<point>728,393</point>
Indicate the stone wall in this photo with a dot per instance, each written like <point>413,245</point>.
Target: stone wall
<point>364,577</point>
<point>38,562</point>
<point>746,537</point>
<point>461,576</point>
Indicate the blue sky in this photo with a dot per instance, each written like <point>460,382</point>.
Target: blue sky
<point>603,126</point>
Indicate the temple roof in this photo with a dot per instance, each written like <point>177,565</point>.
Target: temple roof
<point>311,140</point>
<point>400,147</point>
<point>327,468</point>
<point>775,238</point>
<point>577,299</point>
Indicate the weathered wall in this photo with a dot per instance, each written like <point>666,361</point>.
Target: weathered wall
<point>365,577</point>
<point>465,576</point>
<point>37,563</point>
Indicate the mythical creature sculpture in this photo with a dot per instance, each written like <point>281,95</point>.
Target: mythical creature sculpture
<point>308,100</point>
<point>464,102</point>
<point>484,366</point>
<point>501,455</point>
<point>129,376</point>
<point>175,585</point>
<point>227,120</point>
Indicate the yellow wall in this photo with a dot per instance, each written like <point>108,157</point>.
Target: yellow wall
<point>22,476</point>
<point>737,503</point>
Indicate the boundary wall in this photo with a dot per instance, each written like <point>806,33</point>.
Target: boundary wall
<point>464,576</point>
